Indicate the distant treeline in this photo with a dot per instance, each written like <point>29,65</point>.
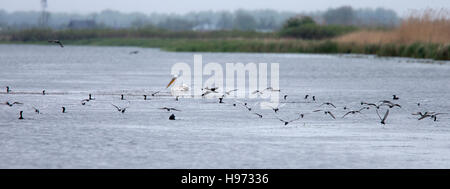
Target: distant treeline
<point>258,20</point>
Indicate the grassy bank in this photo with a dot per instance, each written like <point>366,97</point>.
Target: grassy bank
<point>269,45</point>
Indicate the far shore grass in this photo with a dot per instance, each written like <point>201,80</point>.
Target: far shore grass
<point>269,45</point>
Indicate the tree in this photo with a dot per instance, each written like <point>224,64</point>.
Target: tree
<point>244,21</point>
<point>340,16</point>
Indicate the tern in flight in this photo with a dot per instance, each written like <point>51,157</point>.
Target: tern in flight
<point>287,122</point>
<point>57,42</point>
<point>169,109</point>
<point>259,115</point>
<point>7,89</point>
<point>328,104</point>
<point>326,113</point>
<point>228,92</point>
<point>266,89</point>
<point>120,109</point>
<point>12,104</point>
<point>434,116</point>
<point>276,109</point>
<point>36,110</point>
<point>63,109</point>
<point>383,120</point>
<point>355,111</point>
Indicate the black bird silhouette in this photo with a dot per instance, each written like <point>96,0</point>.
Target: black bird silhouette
<point>314,98</point>
<point>371,104</point>
<point>326,113</point>
<point>153,94</point>
<point>21,117</point>
<point>259,115</point>
<point>176,98</point>
<point>306,97</point>
<point>354,111</point>
<point>220,100</point>
<point>169,109</point>
<point>63,109</point>
<point>395,97</point>
<point>145,97</point>
<point>36,110</point>
<point>90,97</point>
<point>134,52</point>
<point>43,92</point>
<point>121,97</point>
<point>287,122</point>
<point>172,117</point>
<point>57,42</point>
<point>285,96</point>
<point>120,109</point>
<point>328,104</point>
<point>383,120</point>
<point>434,116</point>
<point>84,101</point>
<point>7,89</point>
<point>12,104</point>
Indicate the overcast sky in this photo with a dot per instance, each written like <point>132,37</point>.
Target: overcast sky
<point>183,6</point>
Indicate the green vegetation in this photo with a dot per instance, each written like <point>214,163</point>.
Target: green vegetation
<point>415,50</point>
<point>306,28</point>
<point>299,35</point>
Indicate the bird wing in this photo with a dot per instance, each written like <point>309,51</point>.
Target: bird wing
<point>331,115</point>
<point>317,110</point>
<point>385,116</point>
<point>331,104</point>
<point>228,92</point>
<point>423,117</point>
<point>60,44</point>
<point>347,114</point>
<point>118,108</point>
<point>174,109</point>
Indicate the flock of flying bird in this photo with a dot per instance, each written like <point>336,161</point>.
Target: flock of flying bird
<point>326,107</point>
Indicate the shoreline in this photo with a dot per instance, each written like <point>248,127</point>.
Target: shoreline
<point>423,51</point>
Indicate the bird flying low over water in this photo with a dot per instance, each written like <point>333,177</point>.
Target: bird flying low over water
<point>266,89</point>
<point>134,52</point>
<point>328,104</point>
<point>169,109</point>
<point>120,109</point>
<point>287,122</point>
<point>228,92</point>
<point>326,113</point>
<point>355,111</point>
<point>57,42</point>
<point>12,104</point>
<point>383,120</point>
<point>259,115</point>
